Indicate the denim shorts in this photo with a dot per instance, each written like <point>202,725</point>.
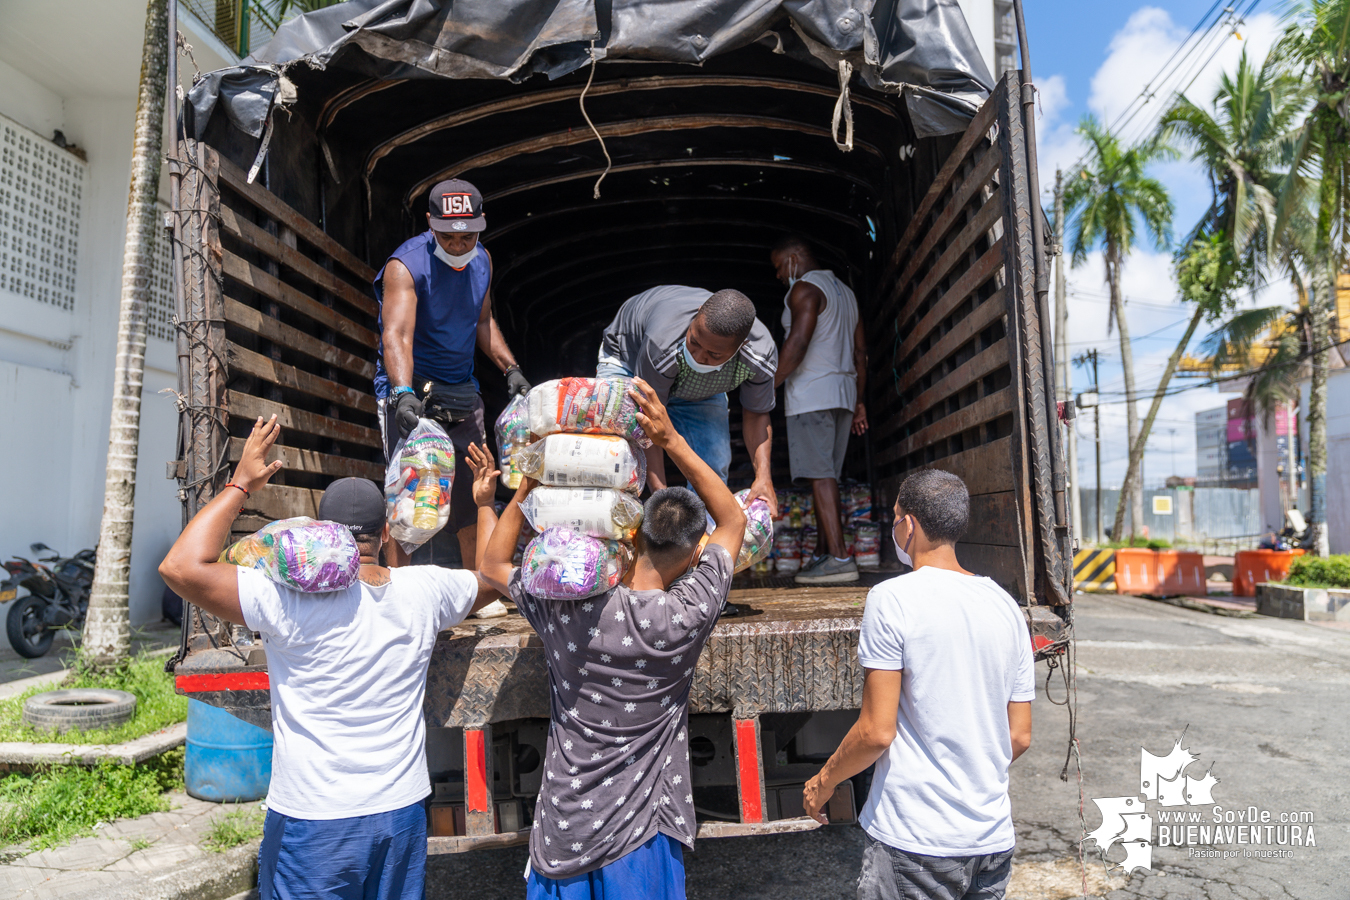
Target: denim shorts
<point>892,874</point>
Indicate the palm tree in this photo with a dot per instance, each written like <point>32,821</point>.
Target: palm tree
<point>1316,46</point>
<point>1241,144</point>
<point>1104,200</point>
<point>107,627</point>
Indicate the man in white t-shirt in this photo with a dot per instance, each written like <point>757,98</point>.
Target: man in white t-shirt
<point>947,691</point>
<point>347,673</point>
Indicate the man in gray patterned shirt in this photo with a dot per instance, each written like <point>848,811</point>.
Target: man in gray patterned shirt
<point>694,347</point>
<point>616,801</point>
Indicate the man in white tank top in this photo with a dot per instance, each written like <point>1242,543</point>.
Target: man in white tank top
<point>824,365</point>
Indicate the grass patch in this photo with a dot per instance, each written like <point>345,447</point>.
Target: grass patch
<point>59,803</point>
<point>1317,572</point>
<point>234,828</point>
<point>1138,542</point>
<point>157,706</point>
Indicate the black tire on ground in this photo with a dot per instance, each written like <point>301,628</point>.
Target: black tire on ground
<point>81,709</point>
<point>28,634</point>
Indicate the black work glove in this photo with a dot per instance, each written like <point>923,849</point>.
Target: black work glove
<point>515,382</point>
<point>407,411</point>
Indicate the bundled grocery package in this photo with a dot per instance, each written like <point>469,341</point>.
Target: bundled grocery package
<point>300,553</point>
<point>513,436</point>
<point>858,505</point>
<point>585,406</point>
<point>598,512</point>
<point>758,531</point>
<point>562,564</point>
<point>787,551</point>
<point>585,460</point>
<point>867,545</point>
<point>417,485</point>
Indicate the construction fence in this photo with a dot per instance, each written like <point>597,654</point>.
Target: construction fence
<point>1214,520</point>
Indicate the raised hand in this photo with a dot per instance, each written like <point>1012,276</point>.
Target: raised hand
<point>652,415</point>
<point>254,471</point>
<point>485,475</point>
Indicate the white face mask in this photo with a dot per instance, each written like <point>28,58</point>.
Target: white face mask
<point>695,364</point>
<point>454,262</point>
<point>792,278</point>
<point>900,553</point>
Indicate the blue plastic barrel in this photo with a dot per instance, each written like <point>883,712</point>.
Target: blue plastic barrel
<point>228,760</point>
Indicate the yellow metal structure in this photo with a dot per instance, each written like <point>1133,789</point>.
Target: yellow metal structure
<point>1095,571</point>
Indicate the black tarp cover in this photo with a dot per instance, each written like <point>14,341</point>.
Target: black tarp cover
<point>919,49</point>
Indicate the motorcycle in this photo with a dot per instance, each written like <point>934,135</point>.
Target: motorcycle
<point>58,596</point>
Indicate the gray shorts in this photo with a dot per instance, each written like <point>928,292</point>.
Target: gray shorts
<point>817,442</point>
<point>892,874</point>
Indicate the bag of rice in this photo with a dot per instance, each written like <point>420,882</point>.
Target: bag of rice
<point>417,485</point>
<point>598,512</point>
<point>513,436</point>
<point>562,564</point>
<point>585,406</point>
<point>300,553</point>
<point>585,460</point>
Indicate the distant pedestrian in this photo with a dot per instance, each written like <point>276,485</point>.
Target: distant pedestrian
<point>823,366</point>
<point>347,673</point>
<point>947,691</point>
<point>616,807</point>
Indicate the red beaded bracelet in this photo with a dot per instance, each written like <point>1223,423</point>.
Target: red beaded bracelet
<point>241,487</point>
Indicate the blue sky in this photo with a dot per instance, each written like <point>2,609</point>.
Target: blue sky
<point>1096,57</point>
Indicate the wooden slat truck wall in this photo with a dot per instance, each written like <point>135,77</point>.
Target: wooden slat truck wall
<point>956,319</point>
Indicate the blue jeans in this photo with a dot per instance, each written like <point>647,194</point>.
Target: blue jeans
<point>654,871</point>
<point>705,424</point>
<point>382,856</point>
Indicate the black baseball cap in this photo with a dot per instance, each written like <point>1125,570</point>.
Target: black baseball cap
<point>456,205</point>
<point>354,502</point>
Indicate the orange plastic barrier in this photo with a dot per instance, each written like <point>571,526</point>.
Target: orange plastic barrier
<point>1250,567</point>
<point>1160,572</point>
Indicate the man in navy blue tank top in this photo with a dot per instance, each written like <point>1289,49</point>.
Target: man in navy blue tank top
<point>435,294</point>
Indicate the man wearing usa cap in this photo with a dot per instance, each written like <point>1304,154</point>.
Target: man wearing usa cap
<point>347,674</point>
<point>435,294</point>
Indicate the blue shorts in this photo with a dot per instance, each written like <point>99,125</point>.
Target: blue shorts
<point>654,871</point>
<point>377,857</point>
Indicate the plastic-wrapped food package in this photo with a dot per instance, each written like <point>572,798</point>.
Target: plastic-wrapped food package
<point>586,406</point>
<point>300,553</point>
<point>860,497</point>
<point>867,545</point>
<point>758,532</point>
<point>562,564</point>
<point>787,551</point>
<point>417,485</point>
<point>598,512</point>
<point>513,435</point>
<point>585,460</point>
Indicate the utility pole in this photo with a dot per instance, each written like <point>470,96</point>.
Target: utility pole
<point>1062,357</point>
<point>1083,359</point>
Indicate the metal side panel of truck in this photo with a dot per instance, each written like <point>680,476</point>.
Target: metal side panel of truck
<point>710,164</point>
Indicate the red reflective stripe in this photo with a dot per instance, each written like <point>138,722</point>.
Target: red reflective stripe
<point>230,681</point>
<point>747,761</point>
<point>475,763</point>
<point>1039,640</point>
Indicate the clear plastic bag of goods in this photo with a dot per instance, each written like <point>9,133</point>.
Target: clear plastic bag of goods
<point>758,540</point>
<point>513,436</point>
<point>301,553</point>
<point>860,502</point>
<point>585,460</point>
<point>787,551</point>
<point>562,564</point>
<point>867,545</point>
<point>586,406</point>
<point>598,512</point>
<point>417,485</point>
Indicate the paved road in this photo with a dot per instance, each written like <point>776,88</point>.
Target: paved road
<point>1262,700</point>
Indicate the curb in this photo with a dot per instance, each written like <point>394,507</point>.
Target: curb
<point>18,755</point>
<point>216,876</point>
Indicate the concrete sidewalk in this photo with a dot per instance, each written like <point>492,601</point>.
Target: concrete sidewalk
<point>161,856</point>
